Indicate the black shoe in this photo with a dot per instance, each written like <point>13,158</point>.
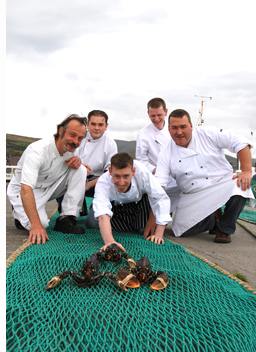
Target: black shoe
<point>18,225</point>
<point>68,224</point>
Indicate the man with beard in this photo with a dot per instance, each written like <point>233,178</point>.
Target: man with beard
<point>48,169</point>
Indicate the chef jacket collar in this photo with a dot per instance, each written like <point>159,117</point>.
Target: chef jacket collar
<point>89,137</point>
<point>190,150</point>
<point>155,129</point>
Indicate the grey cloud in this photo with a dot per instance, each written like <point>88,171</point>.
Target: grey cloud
<point>47,26</point>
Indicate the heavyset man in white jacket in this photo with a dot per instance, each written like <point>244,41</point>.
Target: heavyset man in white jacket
<point>123,198</point>
<point>150,141</point>
<point>195,159</point>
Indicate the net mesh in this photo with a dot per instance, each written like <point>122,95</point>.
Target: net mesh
<point>201,309</point>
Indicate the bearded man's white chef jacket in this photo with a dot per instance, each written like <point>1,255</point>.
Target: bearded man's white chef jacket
<point>97,152</point>
<point>202,173</point>
<point>150,142</point>
<point>44,169</point>
<point>142,182</point>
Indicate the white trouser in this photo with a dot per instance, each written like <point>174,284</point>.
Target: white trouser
<point>71,184</point>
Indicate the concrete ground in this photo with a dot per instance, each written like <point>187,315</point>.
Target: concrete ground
<point>239,255</point>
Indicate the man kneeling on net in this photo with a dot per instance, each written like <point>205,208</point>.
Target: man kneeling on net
<point>123,199</point>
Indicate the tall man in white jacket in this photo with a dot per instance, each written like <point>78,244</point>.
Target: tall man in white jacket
<point>47,169</point>
<point>151,139</point>
<point>123,198</point>
<point>195,159</point>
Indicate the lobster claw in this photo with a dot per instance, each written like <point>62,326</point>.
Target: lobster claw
<point>161,282</point>
<point>58,278</point>
<point>53,282</point>
<point>122,283</point>
<point>130,279</point>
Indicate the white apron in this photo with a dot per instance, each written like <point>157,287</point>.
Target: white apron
<point>194,207</point>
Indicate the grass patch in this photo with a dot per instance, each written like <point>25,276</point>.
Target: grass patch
<point>240,276</point>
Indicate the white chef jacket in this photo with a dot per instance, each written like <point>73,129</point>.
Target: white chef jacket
<point>142,182</point>
<point>150,141</point>
<point>41,165</point>
<point>97,152</point>
<point>202,173</point>
<point>44,169</point>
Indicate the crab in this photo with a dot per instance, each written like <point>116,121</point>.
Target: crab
<point>143,275</point>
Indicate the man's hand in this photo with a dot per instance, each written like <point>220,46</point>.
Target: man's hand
<point>89,169</point>
<point>243,179</point>
<point>158,236</point>
<point>154,171</point>
<point>156,239</point>
<point>108,244</point>
<point>37,232</point>
<point>73,162</point>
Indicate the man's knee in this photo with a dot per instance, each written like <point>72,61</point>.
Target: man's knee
<point>91,222</point>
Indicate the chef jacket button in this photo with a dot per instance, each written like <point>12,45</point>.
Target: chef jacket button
<point>179,161</point>
<point>206,178</point>
<point>192,184</point>
<point>186,173</point>
<point>201,167</point>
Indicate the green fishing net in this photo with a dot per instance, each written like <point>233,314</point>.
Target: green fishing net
<point>200,310</point>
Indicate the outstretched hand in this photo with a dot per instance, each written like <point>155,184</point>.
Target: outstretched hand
<point>108,244</point>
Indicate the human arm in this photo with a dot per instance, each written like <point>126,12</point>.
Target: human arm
<point>37,231</point>
<point>91,184</point>
<point>106,232</point>
<point>153,232</point>
<point>89,169</point>
<point>244,178</point>
<point>142,152</point>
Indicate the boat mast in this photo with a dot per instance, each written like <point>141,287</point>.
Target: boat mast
<point>201,121</point>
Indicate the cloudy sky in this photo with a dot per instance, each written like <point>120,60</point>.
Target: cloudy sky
<point>74,56</point>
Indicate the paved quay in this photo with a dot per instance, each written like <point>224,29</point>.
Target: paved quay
<point>237,256</point>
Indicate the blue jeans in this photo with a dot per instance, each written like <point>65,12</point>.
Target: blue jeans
<point>227,223</point>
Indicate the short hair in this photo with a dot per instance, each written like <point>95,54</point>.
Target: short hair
<point>98,113</point>
<point>121,160</point>
<point>156,103</point>
<point>179,113</point>
<point>65,123</point>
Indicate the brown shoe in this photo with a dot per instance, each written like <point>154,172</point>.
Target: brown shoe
<point>222,237</point>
